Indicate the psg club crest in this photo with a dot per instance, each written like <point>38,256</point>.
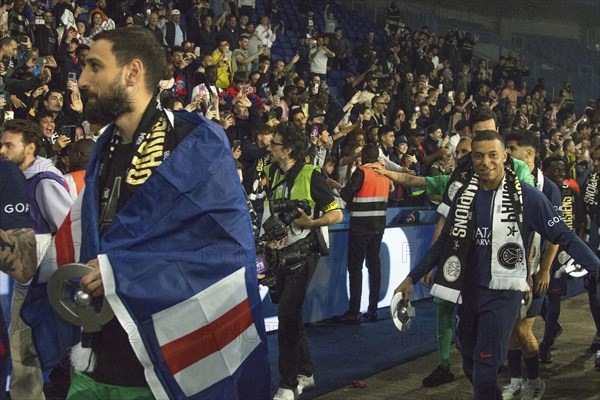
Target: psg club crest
<point>510,255</point>
<point>452,269</point>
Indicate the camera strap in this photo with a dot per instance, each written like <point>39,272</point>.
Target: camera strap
<point>289,178</point>
<point>271,189</point>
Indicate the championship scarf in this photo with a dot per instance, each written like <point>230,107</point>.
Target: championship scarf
<point>153,143</point>
<point>508,265</point>
<point>590,199</point>
<point>460,176</point>
<point>568,204</point>
<point>564,263</point>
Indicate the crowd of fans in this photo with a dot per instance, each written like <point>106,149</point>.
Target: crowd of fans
<point>419,85</point>
<point>412,92</point>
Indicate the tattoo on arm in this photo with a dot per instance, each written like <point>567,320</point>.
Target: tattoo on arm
<point>18,253</point>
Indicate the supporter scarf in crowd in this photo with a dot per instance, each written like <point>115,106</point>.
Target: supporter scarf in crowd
<point>568,206</point>
<point>564,262</point>
<point>508,264</point>
<point>178,263</point>
<point>590,199</point>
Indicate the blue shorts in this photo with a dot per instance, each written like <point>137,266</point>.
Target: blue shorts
<point>558,286</point>
<point>536,305</point>
<point>486,319</point>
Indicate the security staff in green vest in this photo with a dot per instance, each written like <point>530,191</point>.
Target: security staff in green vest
<point>290,178</point>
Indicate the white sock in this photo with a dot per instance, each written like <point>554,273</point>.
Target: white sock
<point>535,382</point>
<point>516,381</point>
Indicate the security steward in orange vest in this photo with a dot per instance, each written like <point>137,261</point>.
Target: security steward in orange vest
<point>366,195</point>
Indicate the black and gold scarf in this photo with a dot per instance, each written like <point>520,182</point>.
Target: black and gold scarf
<point>119,177</point>
<point>508,264</point>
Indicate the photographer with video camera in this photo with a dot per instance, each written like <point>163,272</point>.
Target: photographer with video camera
<point>295,191</point>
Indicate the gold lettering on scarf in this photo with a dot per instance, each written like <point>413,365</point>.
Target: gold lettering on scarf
<point>591,190</point>
<point>567,211</point>
<point>149,155</point>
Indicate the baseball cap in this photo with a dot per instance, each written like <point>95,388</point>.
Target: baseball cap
<point>400,139</point>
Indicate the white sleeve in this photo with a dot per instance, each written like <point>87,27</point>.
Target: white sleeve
<point>54,202</point>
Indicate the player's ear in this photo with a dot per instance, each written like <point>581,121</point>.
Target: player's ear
<point>134,73</point>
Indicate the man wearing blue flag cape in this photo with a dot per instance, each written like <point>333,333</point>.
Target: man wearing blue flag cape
<point>166,228</point>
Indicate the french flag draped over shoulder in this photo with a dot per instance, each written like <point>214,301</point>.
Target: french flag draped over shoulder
<point>178,264</point>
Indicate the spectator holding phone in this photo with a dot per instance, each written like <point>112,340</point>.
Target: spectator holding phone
<point>185,67</point>
<point>241,57</point>
<point>265,34</point>
<point>222,60</point>
<point>45,36</point>
<point>70,115</point>
<point>318,58</point>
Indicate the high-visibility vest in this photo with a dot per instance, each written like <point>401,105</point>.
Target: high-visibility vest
<point>369,206</point>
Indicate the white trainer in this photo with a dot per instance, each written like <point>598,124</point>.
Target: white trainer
<point>286,394</point>
<point>513,391</point>
<point>533,391</point>
<point>305,383</point>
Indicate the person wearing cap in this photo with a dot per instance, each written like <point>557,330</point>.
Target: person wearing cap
<point>415,139</point>
<point>371,88</point>
<point>174,33</point>
<point>317,117</point>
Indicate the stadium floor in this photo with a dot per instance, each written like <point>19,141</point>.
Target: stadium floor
<point>570,376</point>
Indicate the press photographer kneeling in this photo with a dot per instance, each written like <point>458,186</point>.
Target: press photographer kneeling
<point>297,251</point>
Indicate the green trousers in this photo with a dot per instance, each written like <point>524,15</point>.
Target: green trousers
<point>85,388</point>
<point>444,330</point>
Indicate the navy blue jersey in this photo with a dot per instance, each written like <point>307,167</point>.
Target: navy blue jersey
<point>14,206</point>
<point>538,215</point>
<point>482,237</point>
<point>552,193</point>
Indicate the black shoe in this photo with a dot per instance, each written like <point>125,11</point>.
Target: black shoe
<point>557,333</point>
<point>545,356</point>
<point>370,316</point>
<point>595,346</point>
<point>346,318</point>
<point>438,377</point>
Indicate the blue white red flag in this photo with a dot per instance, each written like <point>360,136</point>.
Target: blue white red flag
<point>178,265</point>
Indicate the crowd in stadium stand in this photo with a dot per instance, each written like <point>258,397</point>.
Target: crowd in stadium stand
<point>411,91</point>
<point>419,84</point>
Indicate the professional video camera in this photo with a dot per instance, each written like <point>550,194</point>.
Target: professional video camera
<point>289,258</point>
